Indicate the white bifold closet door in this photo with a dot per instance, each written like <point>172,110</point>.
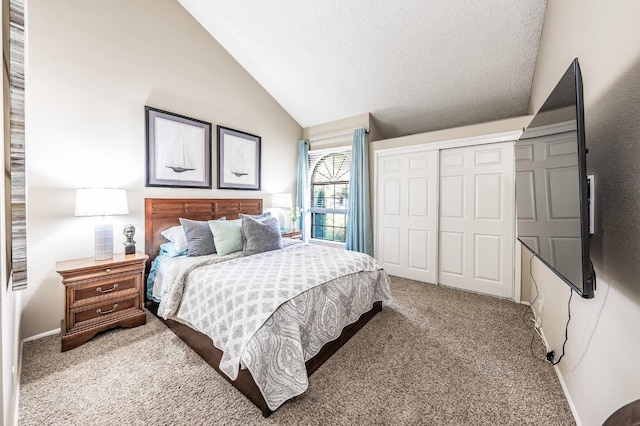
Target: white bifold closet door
<point>407,215</point>
<point>476,229</point>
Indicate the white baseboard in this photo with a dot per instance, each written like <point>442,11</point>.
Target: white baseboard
<point>574,411</point>
<point>565,390</point>
<point>41,335</point>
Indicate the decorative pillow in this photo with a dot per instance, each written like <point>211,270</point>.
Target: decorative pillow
<point>260,217</point>
<point>169,250</point>
<point>260,236</point>
<point>227,235</point>
<point>265,215</point>
<point>199,238</point>
<point>176,235</point>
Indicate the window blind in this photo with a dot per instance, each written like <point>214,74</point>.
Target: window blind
<point>330,174</point>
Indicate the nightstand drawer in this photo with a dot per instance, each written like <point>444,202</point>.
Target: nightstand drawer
<point>104,310</point>
<point>111,287</point>
<point>99,271</point>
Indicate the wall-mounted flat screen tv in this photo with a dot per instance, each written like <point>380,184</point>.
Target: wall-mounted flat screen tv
<point>552,187</point>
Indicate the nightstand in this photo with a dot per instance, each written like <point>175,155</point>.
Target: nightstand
<point>101,294</point>
<point>292,234</point>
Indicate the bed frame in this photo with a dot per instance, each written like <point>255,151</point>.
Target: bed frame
<point>161,213</point>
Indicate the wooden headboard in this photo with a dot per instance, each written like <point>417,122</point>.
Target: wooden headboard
<point>162,213</point>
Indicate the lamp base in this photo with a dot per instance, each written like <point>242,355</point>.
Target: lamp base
<point>103,241</point>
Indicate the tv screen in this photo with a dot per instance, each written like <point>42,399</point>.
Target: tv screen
<point>552,188</point>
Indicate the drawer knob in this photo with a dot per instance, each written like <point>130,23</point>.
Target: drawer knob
<point>101,312</point>
<point>108,290</point>
<point>108,270</point>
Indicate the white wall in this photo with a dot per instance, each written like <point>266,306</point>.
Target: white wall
<point>92,67</point>
<point>600,368</point>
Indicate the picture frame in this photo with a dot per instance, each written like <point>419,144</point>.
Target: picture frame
<point>239,156</point>
<point>178,150</point>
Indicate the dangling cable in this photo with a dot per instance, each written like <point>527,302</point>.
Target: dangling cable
<point>566,331</point>
<point>535,329</point>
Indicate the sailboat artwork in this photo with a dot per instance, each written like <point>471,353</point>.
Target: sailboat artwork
<point>179,159</point>
<point>238,159</point>
<point>178,150</point>
<point>240,165</point>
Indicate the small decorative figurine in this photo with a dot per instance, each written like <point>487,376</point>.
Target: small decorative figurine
<point>129,244</point>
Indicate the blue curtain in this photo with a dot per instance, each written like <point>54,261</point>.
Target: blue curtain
<point>303,184</point>
<point>359,233</point>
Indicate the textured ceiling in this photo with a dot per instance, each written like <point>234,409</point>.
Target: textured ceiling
<point>415,65</point>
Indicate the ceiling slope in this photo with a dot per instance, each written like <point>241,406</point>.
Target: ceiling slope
<point>415,65</point>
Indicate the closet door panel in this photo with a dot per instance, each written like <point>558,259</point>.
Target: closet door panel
<point>391,243</point>
<point>488,257</point>
<point>476,226</point>
<point>407,215</point>
<point>453,251</point>
<point>419,252</point>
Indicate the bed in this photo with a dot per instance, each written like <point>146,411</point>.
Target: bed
<point>161,214</point>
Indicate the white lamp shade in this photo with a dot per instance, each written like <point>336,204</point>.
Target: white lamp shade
<point>101,202</point>
<point>282,200</point>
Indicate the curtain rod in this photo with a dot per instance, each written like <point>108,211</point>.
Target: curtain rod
<point>334,137</point>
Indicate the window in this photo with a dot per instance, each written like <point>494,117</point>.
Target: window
<point>329,194</point>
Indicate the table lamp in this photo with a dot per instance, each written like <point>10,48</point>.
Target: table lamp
<point>102,202</point>
<point>281,201</point>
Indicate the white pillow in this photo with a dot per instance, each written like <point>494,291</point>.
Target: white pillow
<point>177,236</point>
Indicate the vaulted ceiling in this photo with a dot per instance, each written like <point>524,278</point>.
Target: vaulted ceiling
<point>415,65</point>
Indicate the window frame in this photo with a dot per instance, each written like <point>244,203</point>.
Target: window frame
<point>316,156</point>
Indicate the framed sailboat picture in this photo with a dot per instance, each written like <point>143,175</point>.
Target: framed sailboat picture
<point>178,150</point>
<point>238,159</point>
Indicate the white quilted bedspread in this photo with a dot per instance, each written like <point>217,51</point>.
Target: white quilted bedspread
<point>230,301</point>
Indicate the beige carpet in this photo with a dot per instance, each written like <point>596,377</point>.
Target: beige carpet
<point>433,356</point>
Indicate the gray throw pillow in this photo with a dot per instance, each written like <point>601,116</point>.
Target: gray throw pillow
<point>260,217</point>
<point>199,237</point>
<point>260,235</point>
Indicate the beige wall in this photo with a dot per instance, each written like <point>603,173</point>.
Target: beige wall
<point>92,67</point>
<point>600,368</point>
